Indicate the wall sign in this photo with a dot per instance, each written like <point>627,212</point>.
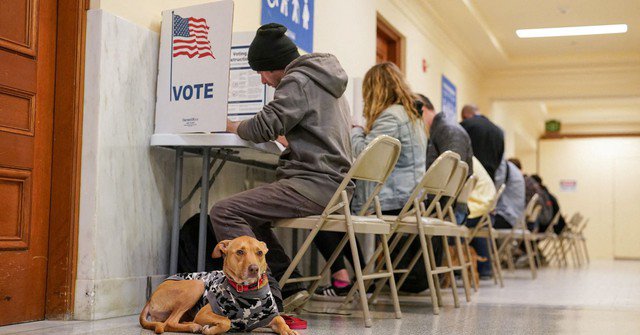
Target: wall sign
<point>193,68</point>
<point>449,96</point>
<point>296,15</point>
<point>568,185</point>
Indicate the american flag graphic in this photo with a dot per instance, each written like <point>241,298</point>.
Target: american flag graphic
<point>190,37</point>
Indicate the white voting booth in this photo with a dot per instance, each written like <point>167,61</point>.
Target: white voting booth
<point>195,92</point>
<point>193,68</point>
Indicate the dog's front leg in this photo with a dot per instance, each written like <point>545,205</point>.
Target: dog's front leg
<point>212,323</point>
<point>279,326</point>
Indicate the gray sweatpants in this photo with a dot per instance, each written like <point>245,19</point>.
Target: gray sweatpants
<point>251,213</point>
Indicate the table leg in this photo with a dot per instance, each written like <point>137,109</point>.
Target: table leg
<point>204,208</point>
<point>175,225</point>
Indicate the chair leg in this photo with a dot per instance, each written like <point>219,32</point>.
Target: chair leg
<point>495,259</point>
<point>452,276</point>
<point>536,252</point>
<point>369,268</point>
<point>469,264</point>
<point>532,265</point>
<point>427,266</point>
<point>510,264</point>
<point>359,280</point>
<point>563,252</point>
<point>575,251</point>
<point>392,280</point>
<point>401,253</point>
<point>412,264</point>
<point>465,274</point>
<point>434,265</point>
<point>586,252</point>
<point>327,267</point>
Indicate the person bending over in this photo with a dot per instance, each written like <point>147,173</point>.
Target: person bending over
<point>309,109</point>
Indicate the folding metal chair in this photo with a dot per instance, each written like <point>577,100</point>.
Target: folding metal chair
<point>432,185</point>
<point>374,164</point>
<point>485,230</point>
<point>519,232</point>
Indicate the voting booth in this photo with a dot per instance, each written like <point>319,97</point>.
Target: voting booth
<point>203,78</point>
<point>193,68</point>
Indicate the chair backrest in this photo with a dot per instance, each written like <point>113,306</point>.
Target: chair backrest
<point>531,205</point>
<point>535,213</point>
<point>374,164</point>
<point>485,219</point>
<point>453,188</point>
<point>554,221</point>
<point>469,185</point>
<point>433,183</point>
<point>494,201</point>
<point>456,182</point>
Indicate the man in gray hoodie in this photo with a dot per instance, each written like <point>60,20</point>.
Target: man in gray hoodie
<point>309,110</point>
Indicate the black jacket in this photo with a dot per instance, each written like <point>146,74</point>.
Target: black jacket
<point>487,141</point>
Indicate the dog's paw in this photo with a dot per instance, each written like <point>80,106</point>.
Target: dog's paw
<point>196,328</point>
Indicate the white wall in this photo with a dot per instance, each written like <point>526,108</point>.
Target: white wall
<point>522,123</point>
<point>602,189</point>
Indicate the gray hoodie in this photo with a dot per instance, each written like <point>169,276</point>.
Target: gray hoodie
<point>309,109</point>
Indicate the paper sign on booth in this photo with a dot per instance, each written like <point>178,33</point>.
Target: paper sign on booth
<point>193,68</point>
<point>247,94</point>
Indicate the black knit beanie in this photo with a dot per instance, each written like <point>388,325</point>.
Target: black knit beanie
<point>271,50</point>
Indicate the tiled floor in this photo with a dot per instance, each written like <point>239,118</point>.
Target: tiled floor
<point>603,298</point>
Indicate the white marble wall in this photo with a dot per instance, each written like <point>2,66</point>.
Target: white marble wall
<point>125,205</point>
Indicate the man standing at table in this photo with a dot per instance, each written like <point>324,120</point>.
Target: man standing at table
<point>307,108</point>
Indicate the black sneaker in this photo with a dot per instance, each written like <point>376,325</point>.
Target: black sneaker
<point>331,293</point>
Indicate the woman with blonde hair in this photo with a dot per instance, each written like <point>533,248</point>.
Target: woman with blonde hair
<point>388,110</point>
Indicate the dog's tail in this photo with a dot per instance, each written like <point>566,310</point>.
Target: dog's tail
<point>144,322</point>
<point>482,259</point>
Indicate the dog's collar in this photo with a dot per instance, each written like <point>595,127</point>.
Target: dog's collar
<point>252,287</point>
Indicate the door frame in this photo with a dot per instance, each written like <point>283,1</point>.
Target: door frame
<point>394,38</point>
<point>66,159</point>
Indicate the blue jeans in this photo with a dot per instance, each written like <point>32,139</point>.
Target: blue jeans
<point>482,248</point>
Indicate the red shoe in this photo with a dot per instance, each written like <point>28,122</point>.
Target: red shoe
<point>294,323</point>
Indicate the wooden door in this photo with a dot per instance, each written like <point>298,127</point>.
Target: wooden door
<point>388,44</point>
<point>27,62</point>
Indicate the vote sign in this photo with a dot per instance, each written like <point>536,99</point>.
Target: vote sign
<point>193,68</point>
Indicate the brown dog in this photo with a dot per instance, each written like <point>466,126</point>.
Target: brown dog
<point>196,302</point>
<point>446,282</point>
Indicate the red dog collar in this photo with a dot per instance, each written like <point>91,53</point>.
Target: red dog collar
<point>255,286</point>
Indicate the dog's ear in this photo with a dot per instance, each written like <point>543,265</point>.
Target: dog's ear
<point>221,248</point>
<point>264,248</point>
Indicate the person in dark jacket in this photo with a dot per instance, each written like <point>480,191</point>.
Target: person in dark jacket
<point>444,134</point>
<point>554,205</point>
<point>487,139</point>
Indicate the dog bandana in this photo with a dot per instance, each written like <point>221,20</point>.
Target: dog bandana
<point>247,310</point>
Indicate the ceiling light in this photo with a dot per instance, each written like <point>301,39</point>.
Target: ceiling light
<point>572,31</point>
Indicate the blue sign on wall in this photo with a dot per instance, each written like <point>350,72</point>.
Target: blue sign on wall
<point>296,15</point>
<point>448,97</point>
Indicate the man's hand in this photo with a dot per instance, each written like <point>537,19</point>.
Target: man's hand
<point>232,126</point>
<point>282,140</point>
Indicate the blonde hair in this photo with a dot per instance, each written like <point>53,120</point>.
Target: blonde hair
<point>384,85</point>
